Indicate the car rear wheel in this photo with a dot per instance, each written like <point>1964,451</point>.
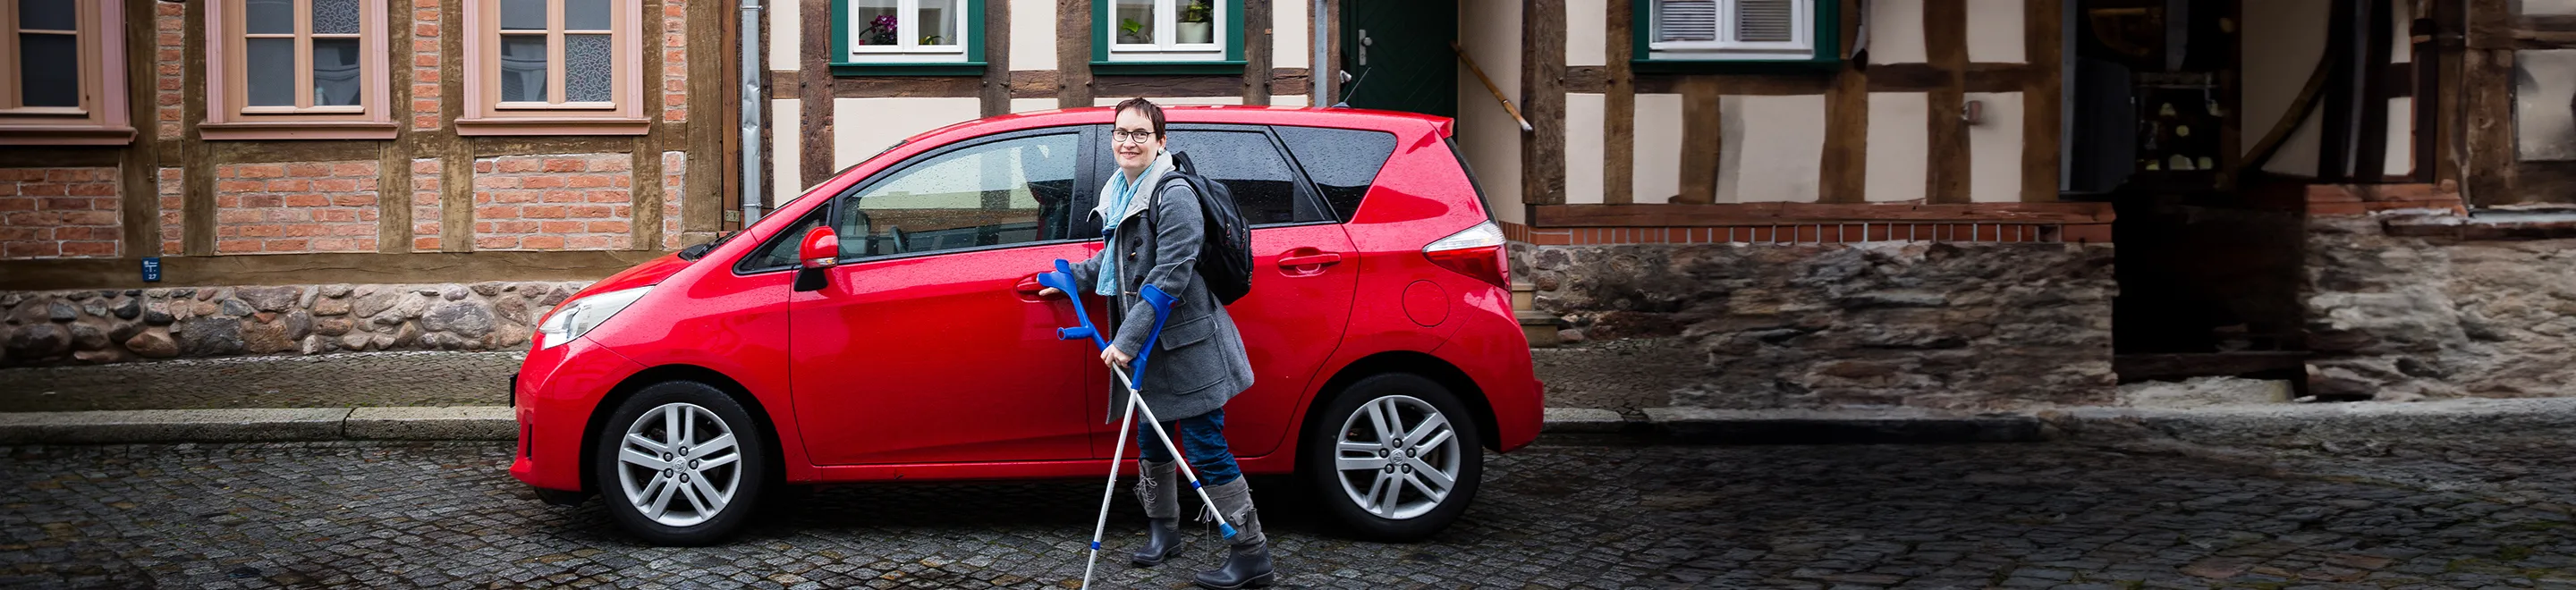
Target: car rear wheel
<point>1394,458</point>
<point>681,464</point>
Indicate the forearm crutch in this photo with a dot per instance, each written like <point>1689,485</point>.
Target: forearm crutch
<point>1062,280</point>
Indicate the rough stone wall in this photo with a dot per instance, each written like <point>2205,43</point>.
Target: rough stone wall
<point>1976,326</point>
<point>56,327</point>
<point>58,213</point>
<point>295,207</point>
<point>556,202</point>
<point>2405,317</point>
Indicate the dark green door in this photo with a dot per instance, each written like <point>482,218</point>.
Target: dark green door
<point>1398,55</point>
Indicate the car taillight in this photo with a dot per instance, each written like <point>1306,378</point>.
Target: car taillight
<point>1477,252</point>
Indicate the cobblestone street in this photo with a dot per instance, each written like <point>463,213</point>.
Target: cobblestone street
<point>2483,514</point>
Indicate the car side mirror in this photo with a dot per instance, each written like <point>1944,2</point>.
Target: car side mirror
<point>816,253</point>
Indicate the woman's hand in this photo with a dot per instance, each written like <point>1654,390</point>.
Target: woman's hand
<point>1049,292</point>
<point>1114,358</point>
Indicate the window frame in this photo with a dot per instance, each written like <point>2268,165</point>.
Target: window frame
<point>485,112</point>
<point>847,58</point>
<point>1085,184</point>
<point>1822,31</point>
<point>103,116</point>
<point>1223,56</point>
<point>229,115</point>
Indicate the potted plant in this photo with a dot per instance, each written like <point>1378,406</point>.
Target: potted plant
<point>1198,22</point>
<point>879,31</point>
<point>1130,31</point>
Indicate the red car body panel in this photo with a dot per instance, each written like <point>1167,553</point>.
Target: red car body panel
<point>851,395</point>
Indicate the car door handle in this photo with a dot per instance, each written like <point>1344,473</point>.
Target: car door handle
<point>1323,259</point>
<point>1028,285</point>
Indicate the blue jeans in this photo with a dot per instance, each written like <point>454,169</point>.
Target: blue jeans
<point>1203,438</point>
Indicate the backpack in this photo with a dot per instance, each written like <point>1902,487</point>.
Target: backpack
<point>1225,255</point>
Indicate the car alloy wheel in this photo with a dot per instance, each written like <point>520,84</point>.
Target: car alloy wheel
<point>1398,457</point>
<point>679,464</point>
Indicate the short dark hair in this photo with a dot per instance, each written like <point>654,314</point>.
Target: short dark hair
<point>1152,113</point>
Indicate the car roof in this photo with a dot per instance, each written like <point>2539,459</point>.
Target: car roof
<point>1391,121</point>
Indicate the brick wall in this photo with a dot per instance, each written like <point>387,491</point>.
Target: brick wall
<point>173,188</point>
<point>675,172</point>
<point>425,213</point>
<point>295,207</point>
<point>425,31</point>
<point>58,213</point>
<point>169,42</point>
<point>675,60</point>
<point>553,202</point>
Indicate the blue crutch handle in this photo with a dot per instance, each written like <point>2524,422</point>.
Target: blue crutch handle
<point>1062,280</point>
<point>1073,333</point>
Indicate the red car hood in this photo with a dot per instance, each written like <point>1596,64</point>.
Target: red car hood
<point>648,273</point>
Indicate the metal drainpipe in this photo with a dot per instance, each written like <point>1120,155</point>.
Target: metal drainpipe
<point>1315,71</point>
<point>752,196</point>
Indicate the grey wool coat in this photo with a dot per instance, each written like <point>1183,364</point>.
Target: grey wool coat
<point>1199,361</point>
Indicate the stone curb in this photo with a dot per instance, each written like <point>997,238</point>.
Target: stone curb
<point>1712,426</point>
<point>259,425</point>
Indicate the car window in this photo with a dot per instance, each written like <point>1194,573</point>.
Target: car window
<point>1249,165</point>
<point>1341,162</point>
<point>1004,192</point>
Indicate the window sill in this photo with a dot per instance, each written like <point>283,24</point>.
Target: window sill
<point>298,130</point>
<point>60,135</point>
<point>553,126</point>
<point>1148,68</point>
<point>953,68</point>
<point>1733,66</point>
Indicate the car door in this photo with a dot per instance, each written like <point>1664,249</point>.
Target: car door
<point>1302,278</point>
<point>928,344</point>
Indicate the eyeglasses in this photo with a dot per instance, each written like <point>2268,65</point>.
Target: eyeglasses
<point>1124,136</point>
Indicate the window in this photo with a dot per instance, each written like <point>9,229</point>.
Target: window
<point>1343,163</point>
<point>298,69</point>
<point>1200,32</point>
<point>1736,30</point>
<point>1250,166</point>
<point>907,37</point>
<point>62,75</point>
<point>1012,191</point>
<point>553,67</point>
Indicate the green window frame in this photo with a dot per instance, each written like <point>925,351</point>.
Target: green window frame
<point>1823,29</point>
<point>970,27</point>
<point>1226,58</point>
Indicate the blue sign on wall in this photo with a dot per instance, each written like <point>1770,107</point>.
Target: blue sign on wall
<point>152,269</point>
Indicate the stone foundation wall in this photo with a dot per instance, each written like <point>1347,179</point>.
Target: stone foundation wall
<point>57,327</point>
<point>1950,326</point>
<point>2407,317</point>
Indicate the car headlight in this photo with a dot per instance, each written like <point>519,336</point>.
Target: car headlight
<point>581,315</point>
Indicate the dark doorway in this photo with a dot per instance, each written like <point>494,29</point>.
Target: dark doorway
<point>1398,56</point>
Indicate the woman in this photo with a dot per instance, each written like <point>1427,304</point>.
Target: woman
<point>1154,239</point>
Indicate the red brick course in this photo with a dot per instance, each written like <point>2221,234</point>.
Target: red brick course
<point>172,189</point>
<point>675,172</point>
<point>675,60</point>
<point>169,48</point>
<point>426,183</point>
<point>1813,233</point>
<point>295,207</point>
<point>59,213</point>
<point>554,202</point>
<point>427,27</point>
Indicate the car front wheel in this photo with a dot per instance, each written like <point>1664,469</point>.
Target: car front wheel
<point>1394,458</point>
<point>681,464</point>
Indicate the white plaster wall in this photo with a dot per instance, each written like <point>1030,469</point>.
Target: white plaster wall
<point>1898,163</point>
<point>1492,141</point>
<point>1995,32</point>
<point>2400,48</point>
<point>2537,7</point>
<point>2298,155</point>
<point>2283,41</point>
<point>1896,31</point>
<point>1994,149</point>
<point>1289,47</point>
<point>1022,105</point>
<point>1774,150</point>
<point>1288,100</point>
<point>862,127</point>
<point>1583,148</point>
<point>784,35</point>
<point>2543,98</point>
<point>1586,22</point>
<point>1658,173</point>
<point>2401,137</point>
<point>1032,34</point>
<point>1111,101</point>
<point>786,155</point>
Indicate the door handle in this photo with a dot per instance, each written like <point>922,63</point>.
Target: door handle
<point>1028,285</point>
<point>1321,259</point>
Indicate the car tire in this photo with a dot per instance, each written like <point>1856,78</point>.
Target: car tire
<point>692,487</point>
<point>1349,465</point>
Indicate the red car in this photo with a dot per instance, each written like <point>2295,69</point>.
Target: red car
<point>886,325</point>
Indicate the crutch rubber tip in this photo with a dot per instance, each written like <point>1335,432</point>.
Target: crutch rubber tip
<point>1227,529</point>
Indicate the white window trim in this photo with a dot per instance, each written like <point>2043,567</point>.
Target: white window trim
<point>908,47</point>
<point>1167,46</point>
<point>1802,28</point>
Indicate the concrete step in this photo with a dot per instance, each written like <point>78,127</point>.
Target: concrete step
<point>1524,296</point>
<point>1539,327</point>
